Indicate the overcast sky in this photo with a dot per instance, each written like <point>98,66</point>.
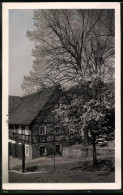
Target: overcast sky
<point>20,59</point>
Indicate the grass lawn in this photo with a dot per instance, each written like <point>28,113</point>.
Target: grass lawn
<point>64,177</point>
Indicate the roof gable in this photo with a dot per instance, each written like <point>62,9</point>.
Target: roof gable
<point>30,106</point>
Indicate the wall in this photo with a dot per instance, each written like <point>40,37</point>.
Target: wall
<point>17,133</point>
<point>28,151</point>
<point>49,136</point>
<point>36,150</point>
<point>81,151</point>
<point>19,150</point>
<point>47,118</point>
<point>15,150</point>
<point>49,148</point>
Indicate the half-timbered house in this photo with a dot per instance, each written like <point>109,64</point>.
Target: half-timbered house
<point>32,122</point>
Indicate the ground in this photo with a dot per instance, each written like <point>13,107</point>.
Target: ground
<point>67,170</point>
<point>64,177</point>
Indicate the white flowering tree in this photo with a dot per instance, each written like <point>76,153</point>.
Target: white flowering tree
<point>92,115</point>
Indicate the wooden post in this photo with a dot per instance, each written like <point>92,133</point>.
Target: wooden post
<point>9,146</point>
<point>9,161</point>
<point>54,152</point>
<point>94,150</point>
<point>31,134</point>
<point>23,157</point>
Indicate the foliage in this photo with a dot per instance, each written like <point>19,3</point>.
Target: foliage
<point>94,115</point>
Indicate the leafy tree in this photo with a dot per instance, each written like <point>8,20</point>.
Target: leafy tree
<point>94,115</point>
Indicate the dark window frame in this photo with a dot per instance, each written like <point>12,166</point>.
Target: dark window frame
<point>42,131</point>
<point>58,130</point>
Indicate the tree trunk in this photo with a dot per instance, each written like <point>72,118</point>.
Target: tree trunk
<point>85,137</point>
<point>23,157</point>
<point>94,150</point>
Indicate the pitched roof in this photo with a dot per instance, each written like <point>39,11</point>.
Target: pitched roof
<point>14,102</point>
<point>85,91</point>
<point>30,106</point>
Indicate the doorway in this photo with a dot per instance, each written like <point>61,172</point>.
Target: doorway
<point>57,149</point>
<point>42,151</point>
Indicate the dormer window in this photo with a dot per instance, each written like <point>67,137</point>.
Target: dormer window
<point>42,130</point>
<point>58,130</point>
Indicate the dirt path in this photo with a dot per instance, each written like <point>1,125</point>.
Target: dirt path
<point>66,171</point>
<point>48,161</point>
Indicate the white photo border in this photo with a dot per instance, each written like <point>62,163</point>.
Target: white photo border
<point>5,68</point>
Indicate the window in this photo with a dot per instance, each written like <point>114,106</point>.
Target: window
<point>57,130</point>
<point>42,130</point>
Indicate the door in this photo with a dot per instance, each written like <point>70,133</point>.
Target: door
<point>42,151</point>
<point>57,150</point>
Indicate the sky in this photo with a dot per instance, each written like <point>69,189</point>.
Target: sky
<point>20,48</point>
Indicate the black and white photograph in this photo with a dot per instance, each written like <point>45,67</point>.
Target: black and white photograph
<point>61,96</point>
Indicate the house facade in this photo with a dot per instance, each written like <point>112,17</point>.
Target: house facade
<point>33,123</point>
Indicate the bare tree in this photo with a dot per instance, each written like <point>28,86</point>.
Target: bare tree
<point>70,45</point>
